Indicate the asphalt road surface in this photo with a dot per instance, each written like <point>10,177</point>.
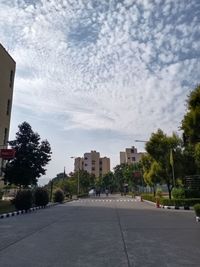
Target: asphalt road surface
<point>109,231</point>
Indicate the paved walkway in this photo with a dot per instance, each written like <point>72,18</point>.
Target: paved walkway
<point>97,232</point>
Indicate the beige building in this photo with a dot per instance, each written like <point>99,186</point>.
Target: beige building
<point>130,156</point>
<point>93,163</point>
<point>7,74</point>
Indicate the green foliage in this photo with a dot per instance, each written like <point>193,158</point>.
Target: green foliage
<point>58,196</point>
<point>159,193</point>
<point>158,148</point>
<point>178,193</point>
<point>108,181</point>
<point>197,209</point>
<point>149,197</point>
<point>192,193</point>
<point>41,197</point>
<point>23,200</point>
<point>180,202</point>
<point>191,121</point>
<point>30,159</point>
<point>82,195</point>
<point>6,206</point>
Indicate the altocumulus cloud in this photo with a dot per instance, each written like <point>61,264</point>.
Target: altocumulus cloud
<point>124,66</point>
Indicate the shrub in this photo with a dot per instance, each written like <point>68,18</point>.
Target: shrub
<point>23,200</point>
<point>82,195</point>
<point>149,197</point>
<point>58,196</point>
<point>197,209</point>
<point>178,193</point>
<point>180,202</point>
<point>192,193</point>
<point>41,197</point>
<point>159,193</point>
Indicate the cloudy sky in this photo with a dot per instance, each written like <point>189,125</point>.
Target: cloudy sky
<point>98,74</point>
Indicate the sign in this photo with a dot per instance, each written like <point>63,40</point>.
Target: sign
<point>7,153</point>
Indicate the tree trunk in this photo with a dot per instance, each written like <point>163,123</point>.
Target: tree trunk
<point>169,191</point>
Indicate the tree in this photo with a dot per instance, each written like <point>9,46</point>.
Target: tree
<point>151,171</point>
<point>191,121</point>
<point>159,147</point>
<point>108,181</point>
<point>30,159</point>
<point>119,176</point>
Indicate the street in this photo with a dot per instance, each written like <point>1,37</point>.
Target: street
<point>109,231</point>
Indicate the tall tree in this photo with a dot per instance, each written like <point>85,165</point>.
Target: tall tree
<point>32,155</point>
<point>191,121</point>
<point>151,171</point>
<point>159,147</point>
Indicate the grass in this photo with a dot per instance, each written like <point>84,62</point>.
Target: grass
<point>6,206</point>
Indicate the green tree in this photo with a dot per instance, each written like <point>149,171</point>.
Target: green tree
<point>30,159</point>
<point>159,147</point>
<point>119,176</point>
<point>152,171</point>
<point>191,121</point>
<point>108,181</point>
<point>86,180</point>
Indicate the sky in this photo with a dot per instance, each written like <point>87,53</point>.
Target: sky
<point>99,74</point>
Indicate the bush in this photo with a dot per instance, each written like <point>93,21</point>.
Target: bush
<point>148,197</point>
<point>41,197</point>
<point>180,202</point>
<point>192,193</point>
<point>58,196</point>
<point>82,195</point>
<point>197,209</point>
<point>159,193</point>
<point>23,200</point>
<point>178,193</point>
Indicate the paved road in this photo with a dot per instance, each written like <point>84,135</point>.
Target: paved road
<point>113,232</point>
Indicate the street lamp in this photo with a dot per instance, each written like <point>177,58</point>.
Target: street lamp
<point>78,181</point>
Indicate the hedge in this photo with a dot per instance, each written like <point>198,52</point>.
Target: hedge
<point>180,202</point>
<point>148,197</point>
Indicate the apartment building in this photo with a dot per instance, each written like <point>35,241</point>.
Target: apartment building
<point>130,156</point>
<point>7,74</point>
<point>92,163</point>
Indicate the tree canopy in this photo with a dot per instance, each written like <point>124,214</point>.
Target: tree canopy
<point>31,157</point>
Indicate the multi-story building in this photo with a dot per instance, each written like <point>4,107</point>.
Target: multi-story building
<point>93,163</point>
<point>130,156</point>
<point>7,74</point>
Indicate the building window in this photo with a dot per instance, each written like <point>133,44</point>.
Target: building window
<point>8,107</point>
<point>93,162</point>
<point>11,78</point>
<point>93,169</point>
<point>86,158</point>
<point>85,164</point>
<point>133,158</point>
<point>128,158</point>
<point>5,136</point>
<point>100,169</point>
<point>100,162</point>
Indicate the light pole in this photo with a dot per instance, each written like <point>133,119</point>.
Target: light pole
<point>78,178</point>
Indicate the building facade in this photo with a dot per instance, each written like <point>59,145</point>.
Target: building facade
<point>130,156</point>
<point>7,74</point>
<point>93,163</point>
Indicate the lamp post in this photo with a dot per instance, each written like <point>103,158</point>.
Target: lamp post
<point>78,178</point>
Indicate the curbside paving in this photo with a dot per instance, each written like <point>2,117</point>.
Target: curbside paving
<point>19,212</point>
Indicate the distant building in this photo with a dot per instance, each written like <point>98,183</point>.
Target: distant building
<point>92,163</point>
<point>7,74</point>
<point>130,156</point>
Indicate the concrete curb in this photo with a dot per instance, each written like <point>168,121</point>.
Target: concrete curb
<point>176,208</point>
<point>19,212</point>
<point>169,207</point>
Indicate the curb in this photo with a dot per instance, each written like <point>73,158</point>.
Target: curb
<point>176,208</point>
<point>19,212</point>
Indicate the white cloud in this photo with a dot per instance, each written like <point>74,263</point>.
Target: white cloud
<point>119,67</point>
